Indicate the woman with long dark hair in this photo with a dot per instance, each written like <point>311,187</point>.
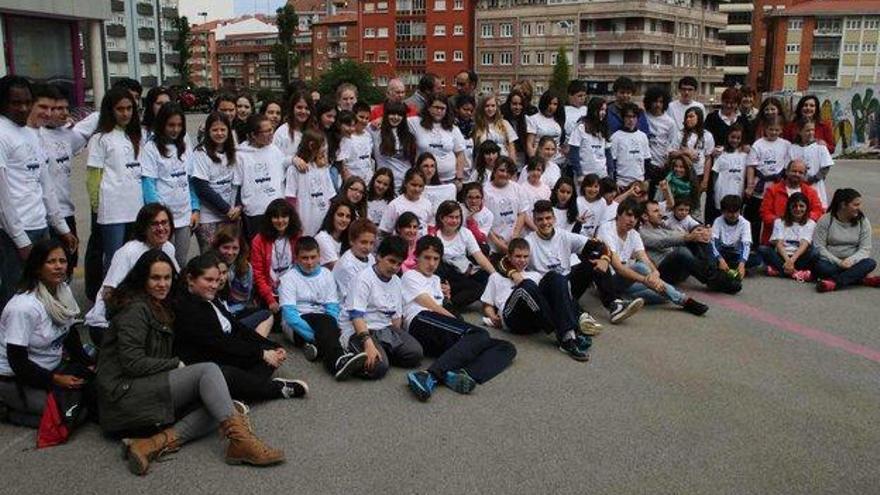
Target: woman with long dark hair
<point>809,109</point>
<point>156,97</point>
<point>843,240</point>
<point>272,250</point>
<point>213,167</point>
<point>394,146</point>
<point>299,118</point>
<point>150,396</point>
<point>435,132</point>
<point>514,112</point>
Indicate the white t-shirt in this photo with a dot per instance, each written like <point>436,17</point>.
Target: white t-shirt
<point>441,143</point>
<point>626,247</point>
<point>816,157</point>
<point>329,247</point>
<point>499,288</point>
<point>664,134</point>
<point>282,140</point>
<point>591,150</point>
<point>686,224</point>
<point>219,176</point>
<point>437,195</point>
<point>123,261</point>
<point>549,177</point>
<point>572,116</point>
<point>505,204</point>
<point>225,324</point>
<point>731,179</point>
<point>260,174</point>
<point>172,180</point>
<point>457,249</point>
<point>375,209</point>
<point>677,110</point>
<point>27,169</point>
<point>62,144</point>
<point>346,269</point>
<point>562,222</point>
<point>792,235</point>
<point>484,218</point>
<point>413,285</point>
<point>121,195</point>
<point>554,254</point>
<point>730,235</point>
<point>703,148</point>
<point>25,322</point>
<point>501,138</point>
<point>541,126</point>
<point>769,158</point>
<point>356,151</point>
<point>309,293</point>
<point>531,194</point>
<point>397,162</point>
<point>422,208</point>
<point>313,190</point>
<point>379,302</point>
<point>630,150</point>
<point>592,215</point>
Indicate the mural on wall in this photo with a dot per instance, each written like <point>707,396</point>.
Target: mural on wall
<point>853,112</point>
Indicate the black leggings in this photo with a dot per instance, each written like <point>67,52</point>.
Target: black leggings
<point>253,384</point>
<point>466,289</point>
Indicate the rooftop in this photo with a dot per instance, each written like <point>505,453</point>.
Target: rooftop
<point>840,8</point>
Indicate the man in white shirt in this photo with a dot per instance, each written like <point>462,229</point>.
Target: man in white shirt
<point>27,193</point>
<point>634,272</point>
<point>687,87</point>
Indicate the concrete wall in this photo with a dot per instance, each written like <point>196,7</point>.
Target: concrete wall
<point>71,9</point>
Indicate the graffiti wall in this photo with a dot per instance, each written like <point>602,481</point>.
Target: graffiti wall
<point>854,112</point>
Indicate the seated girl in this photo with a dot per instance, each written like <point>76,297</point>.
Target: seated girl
<point>466,354</point>
<point>408,228</point>
<point>463,266</point>
<point>790,253</point>
<point>333,234</point>
<point>149,395</point>
<point>272,250</point>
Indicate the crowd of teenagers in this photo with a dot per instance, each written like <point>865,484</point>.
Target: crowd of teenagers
<point>361,233</point>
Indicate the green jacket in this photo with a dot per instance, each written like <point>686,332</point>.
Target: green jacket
<point>133,366</point>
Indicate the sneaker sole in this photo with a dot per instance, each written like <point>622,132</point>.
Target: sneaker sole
<point>590,328</point>
<point>417,390</point>
<point>631,309</point>
<point>310,352</point>
<point>353,365</point>
<point>292,384</point>
<point>240,461</point>
<point>581,359</point>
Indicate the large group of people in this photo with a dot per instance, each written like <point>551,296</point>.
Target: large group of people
<point>359,235</point>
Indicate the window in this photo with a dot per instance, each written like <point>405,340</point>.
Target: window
<point>439,5</point>
<point>486,30</point>
<point>872,24</point>
<point>382,6</point>
<point>793,48</point>
<point>382,81</point>
<point>440,30</point>
<point>458,5</point>
<point>540,88</point>
<point>506,30</point>
<point>791,70</point>
<point>539,29</point>
<point>458,30</point>
<point>369,7</point>
<point>488,88</point>
<point>795,24</point>
<point>487,58</point>
<point>382,33</point>
<point>869,47</point>
<point>369,32</point>
<point>506,58</point>
<point>382,56</point>
<point>539,58</point>
<point>439,56</point>
<point>525,58</point>
<point>854,24</point>
<point>458,56</point>
<point>554,56</point>
<point>526,29</point>
<point>504,87</point>
<point>369,57</point>
<point>565,27</point>
<point>851,48</point>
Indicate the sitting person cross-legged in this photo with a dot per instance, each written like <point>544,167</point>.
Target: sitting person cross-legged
<point>790,253</point>
<point>843,240</point>
<point>731,244</point>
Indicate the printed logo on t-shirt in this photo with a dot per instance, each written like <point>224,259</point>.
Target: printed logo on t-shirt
<point>134,170</point>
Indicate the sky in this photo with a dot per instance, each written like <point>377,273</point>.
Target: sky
<point>256,6</point>
<point>216,9</point>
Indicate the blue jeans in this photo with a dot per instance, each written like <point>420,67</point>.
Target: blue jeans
<point>773,258</point>
<point>112,238</point>
<point>11,265</point>
<point>843,277</point>
<point>638,289</point>
<point>732,256</point>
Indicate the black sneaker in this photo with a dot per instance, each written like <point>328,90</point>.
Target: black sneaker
<point>574,351</point>
<point>310,352</point>
<point>621,310</point>
<point>292,389</point>
<point>348,364</point>
<point>694,307</point>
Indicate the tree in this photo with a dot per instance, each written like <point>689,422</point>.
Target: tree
<point>561,74</point>
<point>181,46</point>
<point>284,56</point>
<point>351,72</point>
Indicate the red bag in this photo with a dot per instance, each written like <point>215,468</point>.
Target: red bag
<point>53,431</point>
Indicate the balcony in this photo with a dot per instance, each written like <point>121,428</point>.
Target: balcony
<point>618,38</point>
<point>828,31</point>
<point>117,6</point>
<point>407,38</point>
<point>116,30</point>
<point>826,53</point>
<point>150,81</point>
<point>147,58</point>
<point>649,71</point>
<point>117,57</point>
<point>171,36</point>
<point>144,8</point>
<point>411,63</point>
<point>170,13</point>
<point>146,33</point>
<point>172,58</point>
<point>823,76</point>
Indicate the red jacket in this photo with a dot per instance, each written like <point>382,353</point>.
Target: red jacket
<point>261,260</point>
<point>773,206</point>
<point>823,133</point>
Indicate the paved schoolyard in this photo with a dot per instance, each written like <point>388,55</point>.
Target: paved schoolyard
<point>774,391</point>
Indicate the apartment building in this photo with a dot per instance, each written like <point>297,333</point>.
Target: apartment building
<point>737,36</point>
<point>335,38</point>
<point>244,55</point>
<point>57,41</point>
<point>407,38</point>
<point>203,54</point>
<point>138,40</point>
<point>651,41</point>
<point>818,44</point>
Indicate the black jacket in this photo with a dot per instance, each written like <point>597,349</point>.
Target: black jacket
<point>198,336</point>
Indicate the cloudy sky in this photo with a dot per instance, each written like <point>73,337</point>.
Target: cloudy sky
<point>256,6</point>
<point>216,9</point>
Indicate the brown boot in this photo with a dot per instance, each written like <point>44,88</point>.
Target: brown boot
<point>141,451</point>
<point>244,447</point>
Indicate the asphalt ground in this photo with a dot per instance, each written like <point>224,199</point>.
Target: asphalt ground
<point>775,390</point>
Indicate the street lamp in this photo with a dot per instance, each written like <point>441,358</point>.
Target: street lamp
<point>204,16</point>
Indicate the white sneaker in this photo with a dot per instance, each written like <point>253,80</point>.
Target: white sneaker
<point>589,325</point>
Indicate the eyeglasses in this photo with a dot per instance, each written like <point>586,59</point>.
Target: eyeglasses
<point>438,107</point>
<point>160,223</point>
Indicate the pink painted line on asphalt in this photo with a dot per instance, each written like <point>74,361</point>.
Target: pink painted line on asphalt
<point>813,334</point>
